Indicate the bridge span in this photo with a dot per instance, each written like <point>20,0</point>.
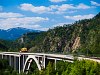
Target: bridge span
<point>22,61</point>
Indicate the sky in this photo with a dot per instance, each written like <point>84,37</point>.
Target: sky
<point>45,14</point>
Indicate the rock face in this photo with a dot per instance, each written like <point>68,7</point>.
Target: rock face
<point>76,44</point>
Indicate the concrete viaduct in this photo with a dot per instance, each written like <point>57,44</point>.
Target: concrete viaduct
<point>22,61</point>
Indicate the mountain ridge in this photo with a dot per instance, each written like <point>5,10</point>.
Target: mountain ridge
<point>63,38</point>
<point>14,33</point>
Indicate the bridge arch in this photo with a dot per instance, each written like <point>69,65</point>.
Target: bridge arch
<point>34,58</point>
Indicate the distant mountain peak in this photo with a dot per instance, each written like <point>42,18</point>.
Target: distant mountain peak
<point>14,33</point>
<point>17,28</point>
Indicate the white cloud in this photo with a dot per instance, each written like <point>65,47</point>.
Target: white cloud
<point>61,24</point>
<point>95,3</point>
<point>53,9</point>
<point>43,29</point>
<point>80,17</point>
<point>82,6</point>
<point>72,8</point>
<point>10,15</point>
<point>12,20</point>
<point>24,20</point>
<point>65,7</point>
<point>62,12</point>
<point>30,7</point>
<point>56,1</point>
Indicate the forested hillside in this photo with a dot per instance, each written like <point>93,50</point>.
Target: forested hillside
<point>82,36</point>
<point>4,45</point>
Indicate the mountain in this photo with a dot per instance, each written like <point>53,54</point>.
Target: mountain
<point>83,36</point>
<point>14,33</point>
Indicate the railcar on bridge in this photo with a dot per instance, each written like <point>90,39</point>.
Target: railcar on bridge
<point>24,50</point>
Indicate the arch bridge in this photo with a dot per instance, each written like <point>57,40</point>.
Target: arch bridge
<point>22,61</point>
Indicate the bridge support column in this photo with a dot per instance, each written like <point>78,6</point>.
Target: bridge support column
<point>2,56</point>
<point>5,57</point>
<point>44,61</point>
<point>19,64</point>
<point>23,60</point>
<point>14,62</point>
<point>9,60</point>
<point>55,63</point>
<point>38,58</point>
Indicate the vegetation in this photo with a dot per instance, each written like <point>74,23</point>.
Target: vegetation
<point>4,68</point>
<point>4,45</point>
<point>84,67</point>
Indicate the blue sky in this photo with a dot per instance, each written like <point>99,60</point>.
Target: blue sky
<point>45,14</point>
